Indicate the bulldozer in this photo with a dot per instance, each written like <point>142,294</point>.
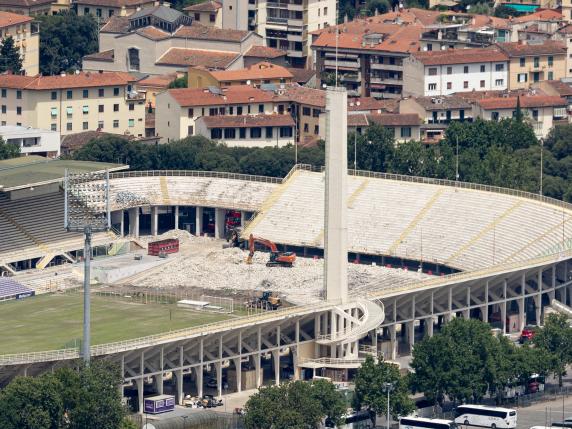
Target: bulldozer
<point>266,299</point>
<point>277,259</point>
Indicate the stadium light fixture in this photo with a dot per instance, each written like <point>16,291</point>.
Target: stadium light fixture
<point>87,211</point>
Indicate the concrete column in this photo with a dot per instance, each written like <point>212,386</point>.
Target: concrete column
<point>199,221</point>
<point>276,357</point>
<point>218,367</point>
<point>538,307</point>
<point>200,380</point>
<point>140,394</point>
<point>503,315</point>
<point>154,220</point>
<point>219,223</point>
<point>121,387</point>
<point>411,334</point>
<point>373,334</point>
<point>159,377</point>
<point>179,381</point>
<point>295,364</point>
<point>335,218</point>
<point>521,314</point>
<point>393,342</point>
<point>242,217</point>
<point>176,217</point>
<point>122,224</point>
<point>258,378</point>
<point>238,368</point>
<point>134,222</point>
<point>429,327</point>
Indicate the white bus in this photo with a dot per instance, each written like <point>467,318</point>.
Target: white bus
<point>488,417</point>
<point>423,423</point>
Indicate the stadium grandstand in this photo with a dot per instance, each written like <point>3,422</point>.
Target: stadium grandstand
<point>10,289</point>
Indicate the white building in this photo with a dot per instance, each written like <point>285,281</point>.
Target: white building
<point>438,73</point>
<point>32,141</point>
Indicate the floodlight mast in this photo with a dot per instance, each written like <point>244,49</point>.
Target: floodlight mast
<point>87,210</point>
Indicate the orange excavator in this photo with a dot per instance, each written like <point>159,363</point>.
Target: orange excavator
<point>277,259</point>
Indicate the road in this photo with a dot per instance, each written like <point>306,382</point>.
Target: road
<point>541,413</point>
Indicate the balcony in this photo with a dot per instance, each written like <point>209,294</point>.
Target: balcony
<point>386,81</point>
<point>382,66</point>
<point>294,38</point>
<point>134,96</point>
<point>277,5</point>
<point>341,63</point>
<point>276,20</point>
<point>292,22</point>
<point>350,77</point>
<point>295,54</point>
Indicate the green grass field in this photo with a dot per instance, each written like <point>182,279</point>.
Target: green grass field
<point>49,322</point>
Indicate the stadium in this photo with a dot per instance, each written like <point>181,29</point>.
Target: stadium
<point>421,250</point>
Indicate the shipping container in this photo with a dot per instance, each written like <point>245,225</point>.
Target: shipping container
<point>170,245</point>
<point>159,404</point>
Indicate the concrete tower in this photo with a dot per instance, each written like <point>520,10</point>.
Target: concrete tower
<point>335,216</point>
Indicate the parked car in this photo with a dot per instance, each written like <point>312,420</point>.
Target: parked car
<point>527,334</point>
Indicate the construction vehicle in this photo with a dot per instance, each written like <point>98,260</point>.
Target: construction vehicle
<point>266,300</point>
<point>277,259</point>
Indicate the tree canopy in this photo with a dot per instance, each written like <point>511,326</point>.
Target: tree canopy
<point>65,39</point>
<point>295,405</point>
<point>555,338</point>
<point>10,59</point>
<point>8,150</point>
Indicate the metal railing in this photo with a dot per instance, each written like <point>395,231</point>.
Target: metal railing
<point>332,361</point>
<point>195,173</point>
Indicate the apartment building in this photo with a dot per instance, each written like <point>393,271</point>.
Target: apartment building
<point>34,7</point>
<point>26,35</point>
<point>542,111</point>
<point>207,13</point>
<point>72,103</point>
<point>105,9</point>
<point>534,62</point>
<point>32,141</point>
<point>255,75</point>
<point>439,73</point>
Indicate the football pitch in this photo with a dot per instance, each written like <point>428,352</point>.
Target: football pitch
<point>50,322</point>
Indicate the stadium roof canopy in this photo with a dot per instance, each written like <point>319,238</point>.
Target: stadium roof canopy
<point>25,172</point>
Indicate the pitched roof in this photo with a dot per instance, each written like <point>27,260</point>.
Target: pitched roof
<point>106,56</point>
<point>25,3</point>
<point>305,95</point>
<point>246,121</point>
<point>562,88</point>
<point>197,57</point>
<point>153,33</point>
<point>302,76</point>
<point>112,3</point>
<point>206,6</point>
<point>264,52</point>
<point>240,94</point>
<point>540,15</point>
<point>7,19</point>
<point>370,103</point>
<point>116,24</point>
<point>518,49</point>
<point>162,12</point>
<point>73,142</point>
<point>358,120</point>
<point>160,81</point>
<point>202,32</point>
<point>526,101</point>
<point>262,70</point>
<point>460,56</point>
<point>395,119</point>
<point>449,102</point>
<point>81,80</point>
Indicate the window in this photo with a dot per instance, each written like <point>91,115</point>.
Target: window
<point>197,16</point>
<point>85,125</point>
<point>239,110</point>
<point>405,131</point>
<point>116,91</point>
<point>495,116</point>
<point>316,129</point>
<point>190,130</point>
<point>522,77</point>
<point>131,123</point>
<point>131,106</point>
<point>522,61</point>
<point>54,95</point>
<point>269,132</point>
<point>69,95</point>
<point>111,12</point>
<point>550,75</point>
<point>432,86</point>
<point>535,115</point>
<point>133,57</point>
<point>466,84</point>
<point>54,112</point>
<point>242,133</point>
<point>325,11</point>
<point>316,113</point>
<point>550,61</point>
<point>190,113</point>
<point>85,110</point>
<point>69,126</point>
<point>100,108</point>
<point>449,70</point>
<point>536,62</point>
<point>499,67</point>
<point>18,110</point>
<point>482,68</point>
<point>54,127</point>
<point>287,131</point>
<point>213,111</point>
<point>449,85</point>
<point>499,82</point>
<point>261,108</point>
<point>116,123</point>
<point>116,107</point>
<point>212,17</point>
<point>19,94</point>
<point>466,69</point>
<point>248,109</point>
<point>306,111</point>
<point>229,133</point>
<point>482,84</point>
<point>3,108</point>
<point>216,133</point>
<point>98,12</point>
<point>101,92</point>
<point>100,125</point>
<point>305,128</point>
<point>86,93</point>
<point>255,133</point>
<point>86,10</point>
<point>319,11</point>
<point>433,71</point>
<point>4,93</point>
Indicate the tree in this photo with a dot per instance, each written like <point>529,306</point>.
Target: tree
<point>180,82</point>
<point>65,39</point>
<point>8,150</point>
<point>556,339</point>
<point>10,59</point>
<point>370,389</point>
<point>294,405</point>
<point>504,11</point>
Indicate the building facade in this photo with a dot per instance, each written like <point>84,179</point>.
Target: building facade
<point>69,104</point>
<point>34,7</point>
<point>26,35</point>
<point>105,9</point>
<point>32,141</point>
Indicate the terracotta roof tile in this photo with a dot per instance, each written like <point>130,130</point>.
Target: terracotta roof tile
<point>540,15</point>
<point>207,6</point>
<point>460,56</point>
<point>302,76</point>
<point>246,121</point>
<point>518,49</point>
<point>395,119</point>
<point>263,70</point>
<point>197,57</point>
<point>525,102</point>
<point>112,3</point>
<point>25,3</point>
<point>7,19</point>
<point>358,120</point>
<point>449,102</point>
<point>563,88</point>
<point>106,56</point>
<point>161,81</point>
<point>240,94</point>
<point>369,103</point>
<point>202,32</point>
<point>73,142</point>
<point>264,52</point>
<point>116,24</point>
<point>305,95</point>
<point>81,80</point>
<point>153,33</point>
